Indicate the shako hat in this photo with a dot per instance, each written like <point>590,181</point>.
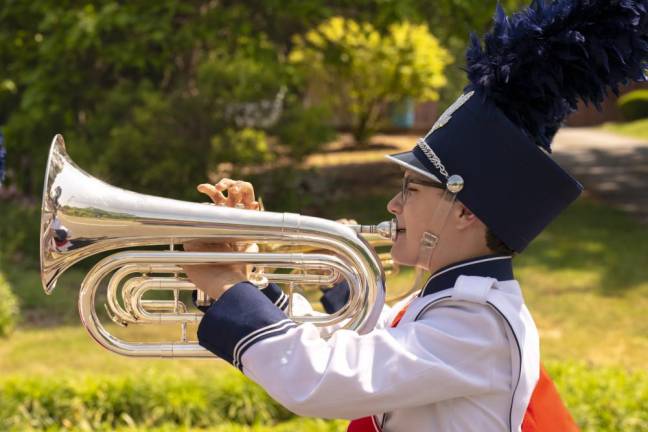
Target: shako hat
<point>528,75</point>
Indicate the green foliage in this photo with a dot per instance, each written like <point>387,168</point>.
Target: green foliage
<point>19,231</point>
<point>359,70</point>
<point>140,91</point>
<point>634,105</point>
<point>137,88</point>
<point>304,125</point>
<point>62,62</point>
<point>98,403</point>
<point>167,143</point>
<point>600,399</point>
<point>603,399</point>
<point>8,307</point>
<point>247,144</point>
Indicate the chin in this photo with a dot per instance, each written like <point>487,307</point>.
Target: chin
<point>401,260</point>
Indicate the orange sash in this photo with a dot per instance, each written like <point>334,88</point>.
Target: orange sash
<point>546,412</point>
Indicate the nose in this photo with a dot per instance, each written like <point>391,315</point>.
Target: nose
<point>395,205</point>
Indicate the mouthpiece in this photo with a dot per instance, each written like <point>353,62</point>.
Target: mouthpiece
<point>386,229</point>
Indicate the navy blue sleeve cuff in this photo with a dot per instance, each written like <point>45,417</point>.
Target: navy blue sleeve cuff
<point>335,298</point>
<point>241,317</point>
<point>276,296</point>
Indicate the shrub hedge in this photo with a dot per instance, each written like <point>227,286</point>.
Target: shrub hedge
<point>601,399</point>
<point>634,105</point>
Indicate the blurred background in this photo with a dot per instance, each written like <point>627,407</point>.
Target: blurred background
<point>303,98</point>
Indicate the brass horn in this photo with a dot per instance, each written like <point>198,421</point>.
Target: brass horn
<point>83,216</point>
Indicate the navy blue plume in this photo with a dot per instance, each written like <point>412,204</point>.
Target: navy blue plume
<point>536,64</point>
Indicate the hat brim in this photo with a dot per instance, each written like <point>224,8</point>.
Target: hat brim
<point>409,161</point>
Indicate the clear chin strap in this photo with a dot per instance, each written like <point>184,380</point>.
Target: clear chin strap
<point>430,238</point>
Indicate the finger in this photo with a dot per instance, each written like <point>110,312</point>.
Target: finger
<point>207,246</point>
<point>234,196</point>
<point>224,184</point>
<point>193,246</point>
<point>215,191</point>
<point>247,195</point>
<point>233,191</point>
<point>252,247</point>
<point>216,196</point>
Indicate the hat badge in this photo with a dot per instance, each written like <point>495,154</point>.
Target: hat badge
<point>447,114</point>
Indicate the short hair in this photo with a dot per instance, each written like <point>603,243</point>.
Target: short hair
<point>496,245</point>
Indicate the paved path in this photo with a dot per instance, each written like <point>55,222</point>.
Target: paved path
<point>612,168</point>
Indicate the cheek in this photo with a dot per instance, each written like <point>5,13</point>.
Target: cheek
<point>415,217</point>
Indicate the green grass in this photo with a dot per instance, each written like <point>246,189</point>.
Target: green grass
<point>69,351</point>
<point>636,129</point>
<point>586,283</point>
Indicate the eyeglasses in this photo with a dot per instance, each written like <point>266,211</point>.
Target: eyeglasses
<point>407,180</point>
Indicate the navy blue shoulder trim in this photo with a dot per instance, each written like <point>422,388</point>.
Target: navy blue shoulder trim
<point>499,267</point>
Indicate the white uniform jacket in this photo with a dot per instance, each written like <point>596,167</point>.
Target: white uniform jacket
<point>464,356</point>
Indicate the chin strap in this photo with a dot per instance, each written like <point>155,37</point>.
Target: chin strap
<point>430,238</point>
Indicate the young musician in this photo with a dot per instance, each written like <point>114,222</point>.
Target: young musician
<point>463,353</point>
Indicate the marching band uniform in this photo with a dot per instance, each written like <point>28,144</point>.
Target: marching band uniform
<point>462,354</point>
<point>455,349</point>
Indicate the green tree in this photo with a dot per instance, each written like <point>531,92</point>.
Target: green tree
<point>92,69</point>
<point>139,90</point>
<point>359,70</point>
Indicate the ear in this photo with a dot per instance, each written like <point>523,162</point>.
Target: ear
<point>464,217</point>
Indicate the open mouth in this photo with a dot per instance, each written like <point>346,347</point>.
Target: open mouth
<point>400,231</point>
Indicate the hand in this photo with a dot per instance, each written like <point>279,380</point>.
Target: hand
<point>347,221</point>
<point>215,279</point>
<point>238,192</point>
